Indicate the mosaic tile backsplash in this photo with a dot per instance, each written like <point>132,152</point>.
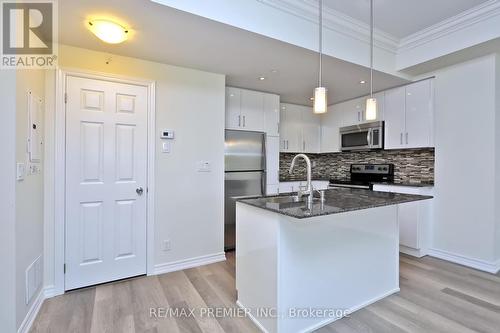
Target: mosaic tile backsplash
<point>410,165</point>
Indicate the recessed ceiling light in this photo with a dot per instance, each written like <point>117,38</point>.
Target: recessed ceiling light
<point>311,98</point>
<point>262,78</point>
<point>108,31</point>
<point>362,82</point>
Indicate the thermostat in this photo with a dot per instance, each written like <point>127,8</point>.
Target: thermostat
<point>167,134</point>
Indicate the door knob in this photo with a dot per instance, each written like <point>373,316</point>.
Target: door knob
<point>139,190</point>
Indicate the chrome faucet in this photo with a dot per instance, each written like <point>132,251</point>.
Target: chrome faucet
<point>309,189</point>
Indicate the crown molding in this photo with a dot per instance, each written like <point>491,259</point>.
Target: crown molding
<point>336,21</point>
<point>450,25</point>
<point>353,28</point>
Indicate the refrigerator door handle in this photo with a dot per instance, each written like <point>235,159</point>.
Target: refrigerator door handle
<point>263,183</point>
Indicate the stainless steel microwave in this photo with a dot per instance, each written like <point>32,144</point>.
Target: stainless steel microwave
<point>366,136</point>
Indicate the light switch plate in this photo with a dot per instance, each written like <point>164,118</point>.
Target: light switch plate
<point>165,147</point>
<point>204,166</point>
<point>20,171</point>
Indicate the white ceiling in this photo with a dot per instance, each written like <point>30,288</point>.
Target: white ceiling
<point>166,35</point>
<point>401,18</point>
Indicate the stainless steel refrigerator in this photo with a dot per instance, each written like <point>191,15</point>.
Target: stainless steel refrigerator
<point>245,175</point>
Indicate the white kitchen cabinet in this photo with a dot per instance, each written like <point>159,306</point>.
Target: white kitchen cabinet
<point>252,110</point>
<point>271,114</point>
<point>394,117</point>
<point>233,108</point>
<point>408,116</point>
<point>244,109</point>
<point>419,106</point>
<point>272,160</point>
<point>300,129</point>
<point>311,131</point>
<point>415,219</point>
<point>272,189</point>
<point>320,184</point>
<point>291,128</point>
<point>288,187</point>
<point>330,125</point>
<point>353,112</point>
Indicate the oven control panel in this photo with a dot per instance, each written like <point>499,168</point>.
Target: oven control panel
<point>379,169</point>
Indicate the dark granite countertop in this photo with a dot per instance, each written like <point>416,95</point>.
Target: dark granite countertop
<point>338,200</point>
<point>301,179</point>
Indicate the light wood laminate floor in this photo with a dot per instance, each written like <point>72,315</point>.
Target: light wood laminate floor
<point>436,296</point>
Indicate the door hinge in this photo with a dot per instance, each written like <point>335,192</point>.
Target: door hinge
<point>65,98</point>
<point>64,268</point>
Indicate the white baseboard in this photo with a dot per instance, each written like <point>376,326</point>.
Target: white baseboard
<point>188,263</point>
<point>52,291</point>
<point>327,321</point>
<point>412,252</point>
<point>486,266</point>
<point>252,318</point>
<point>32,312</point>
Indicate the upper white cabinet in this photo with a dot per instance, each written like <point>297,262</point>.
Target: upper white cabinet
<point>394,118</point>
<point>233,108</point>
<point>290,128</point>
<point>353,112</point>
<point>300,129</point>
<point>271,114</point>
<point>252,111</point>
<point>330,125</point>
<point>408,116</point>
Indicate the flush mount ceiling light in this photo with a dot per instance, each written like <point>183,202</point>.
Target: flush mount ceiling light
<point>371,102</point>
<point>108,31</point>
<point>362,82</point>
<point>320,103</point>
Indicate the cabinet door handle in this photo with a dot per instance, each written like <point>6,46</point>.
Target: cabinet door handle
<point>406,137</point>
<point>244,121</point>
<point>304,146</point>
<point>359,116</point>
<point>239,121</point>
<point>401,138</point>
<point>286,144</point>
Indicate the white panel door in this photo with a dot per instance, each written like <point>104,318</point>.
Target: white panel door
<point>106,168</point>
<point>418,114</point>
<point>394,116</point>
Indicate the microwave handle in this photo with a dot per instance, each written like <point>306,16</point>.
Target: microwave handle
<point>369,137</point>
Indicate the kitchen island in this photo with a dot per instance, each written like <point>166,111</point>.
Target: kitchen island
<point>301,266</point>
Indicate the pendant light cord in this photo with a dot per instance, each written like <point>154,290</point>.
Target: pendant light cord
<point>371,48</point>
<point>320,43</point>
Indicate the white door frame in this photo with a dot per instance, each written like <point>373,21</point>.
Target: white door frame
<point>60,166</point>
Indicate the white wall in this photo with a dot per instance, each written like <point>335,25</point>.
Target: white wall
<point>29,192</point>
<point>7,204</point>
<point>466,153</point>
<point>497,155</point>
<point>189,204</point>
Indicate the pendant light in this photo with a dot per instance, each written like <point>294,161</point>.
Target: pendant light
<point>371,102</point>
<point>320,100</point>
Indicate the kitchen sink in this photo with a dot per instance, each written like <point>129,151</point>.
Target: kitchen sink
<point>284,199</point>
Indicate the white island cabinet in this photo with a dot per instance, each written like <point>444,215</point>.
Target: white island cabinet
<point>297,275</point>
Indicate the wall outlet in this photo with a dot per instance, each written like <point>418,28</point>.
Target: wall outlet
<point>166,245</point>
